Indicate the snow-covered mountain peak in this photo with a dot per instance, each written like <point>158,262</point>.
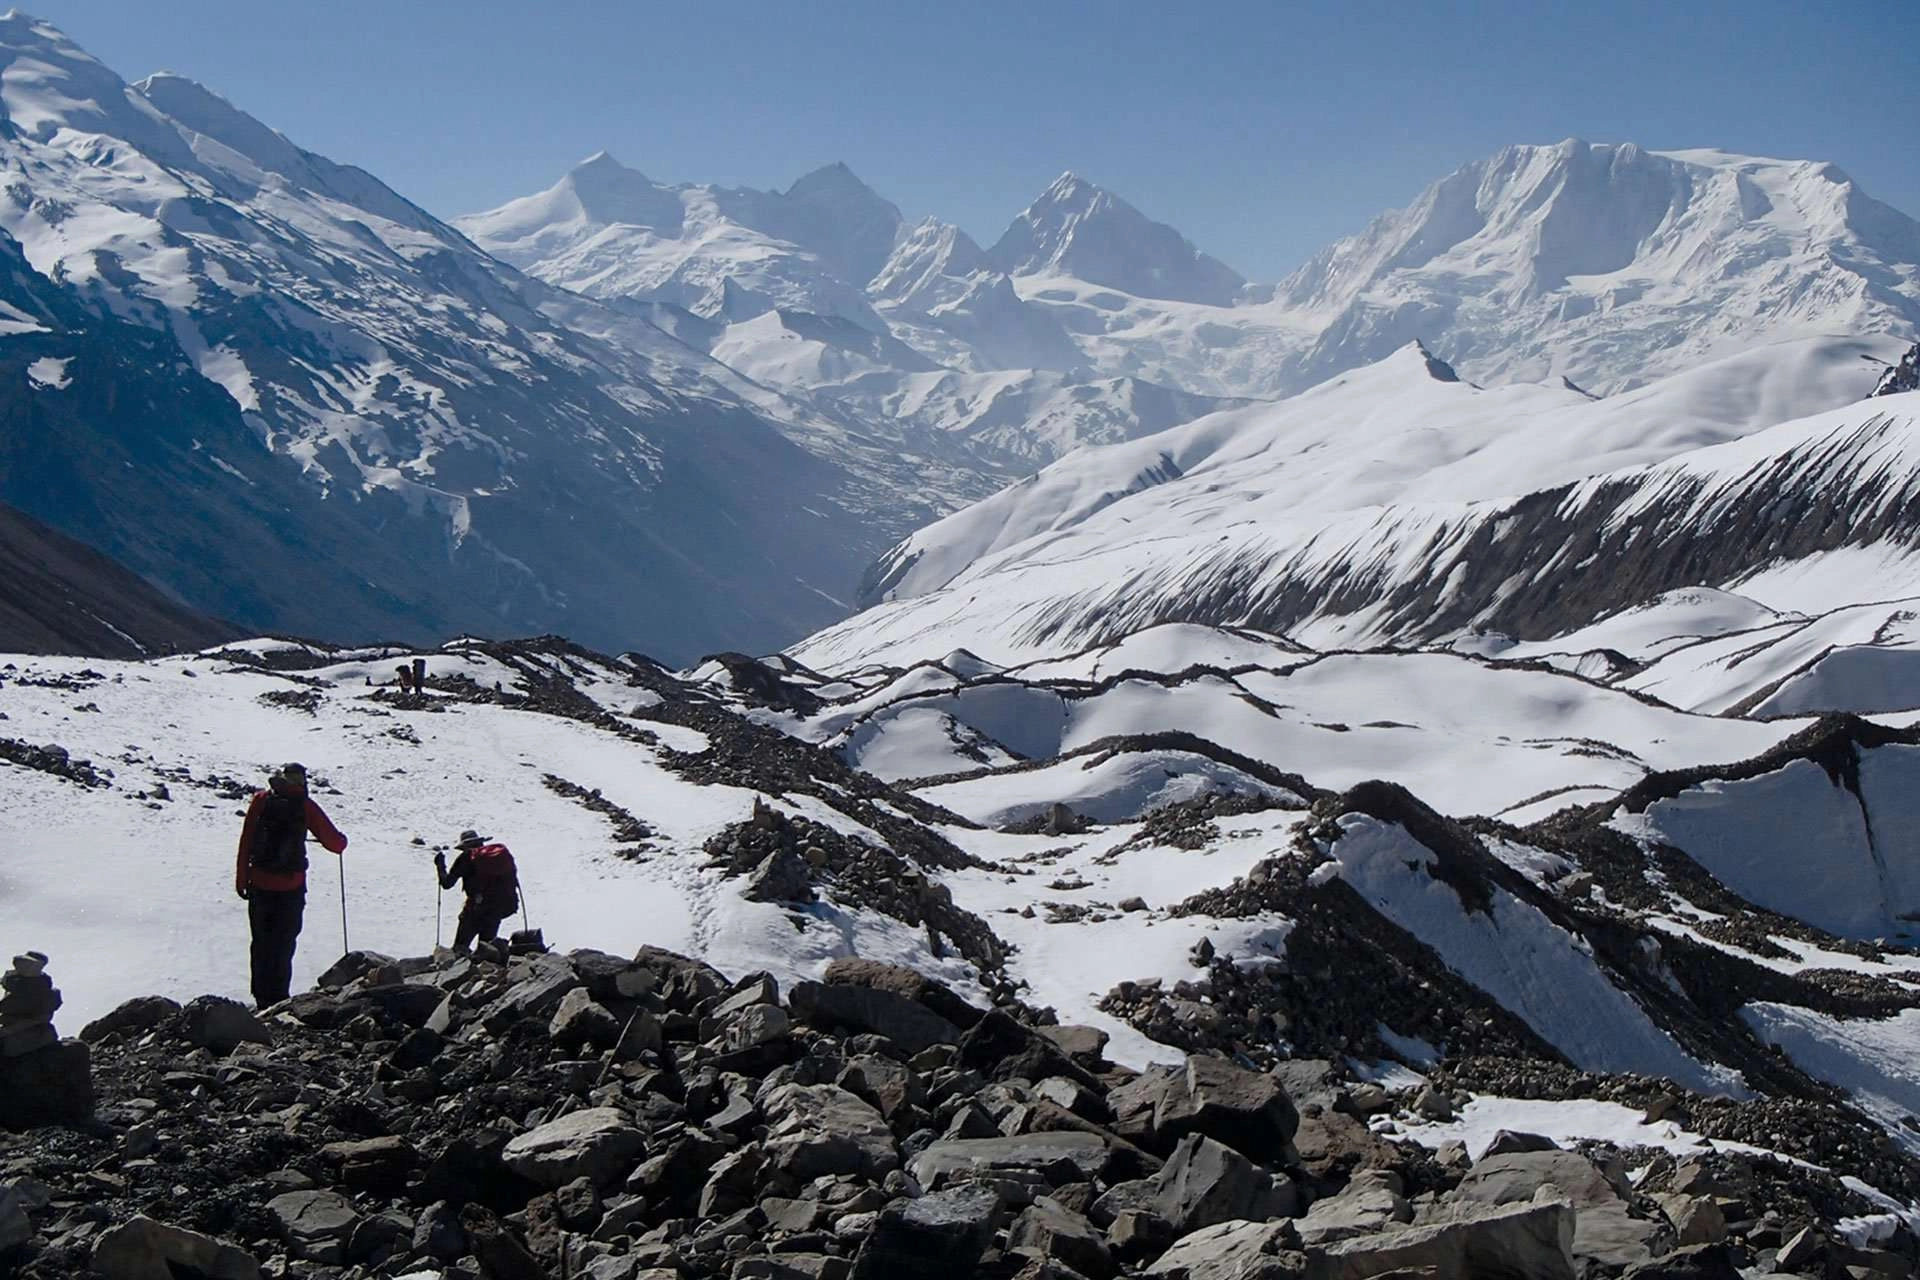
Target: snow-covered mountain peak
<point>1563,259</point>
<point>1081,230</point>
<point>832,213</point>
<point>836,181</point>
<point>49,84</point>
<point>610,192</point>
<point>929,266</point>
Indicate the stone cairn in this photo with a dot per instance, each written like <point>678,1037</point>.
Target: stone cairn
<point>43,1079</point>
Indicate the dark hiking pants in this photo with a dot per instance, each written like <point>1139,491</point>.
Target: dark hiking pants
<point>478,920</point>
<point>275,916</point>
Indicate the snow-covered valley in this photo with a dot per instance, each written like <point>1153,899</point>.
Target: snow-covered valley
<point>1424,865</point>
<point>1458,704</point>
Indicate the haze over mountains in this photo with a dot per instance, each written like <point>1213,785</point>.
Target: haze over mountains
<point>683,418</point>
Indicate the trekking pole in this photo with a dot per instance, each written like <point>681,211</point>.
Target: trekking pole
<point>438,894</point>
<point>344,948</point>
<point>524,925</point>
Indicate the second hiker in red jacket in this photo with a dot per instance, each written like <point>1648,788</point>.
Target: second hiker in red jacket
<point>271,874</point>
<point>491,883</point>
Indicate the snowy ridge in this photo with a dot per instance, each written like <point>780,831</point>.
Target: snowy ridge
<point>1608,265</point>
<point>402,396</point>
<point>1240,521</point>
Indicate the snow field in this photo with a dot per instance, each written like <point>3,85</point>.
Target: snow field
<point>1072,965</point>
<point>1530,965</point>
<point>129,897</point>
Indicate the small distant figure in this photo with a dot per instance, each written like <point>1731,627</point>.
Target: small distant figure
<point>487,875</point>
<point>405,680</point>
<point>271,875</point>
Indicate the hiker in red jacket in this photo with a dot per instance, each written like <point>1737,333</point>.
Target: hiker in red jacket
<point>491,883</point>
<point>271,874</point>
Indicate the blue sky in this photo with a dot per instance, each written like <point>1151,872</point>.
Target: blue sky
<point>1262,130</point>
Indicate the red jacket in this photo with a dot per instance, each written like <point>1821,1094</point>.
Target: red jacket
<point>247,876</point>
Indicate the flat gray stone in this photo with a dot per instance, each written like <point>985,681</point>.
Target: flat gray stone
<point>1087,1154</point>
<point>143,1249</point>
<point>597,1143</point>
<point>821,1128</point>
<point>1230,1251</point>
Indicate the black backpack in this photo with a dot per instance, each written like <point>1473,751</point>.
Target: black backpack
<point>280,834</point>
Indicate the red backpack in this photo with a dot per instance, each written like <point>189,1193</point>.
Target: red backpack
<point>496,880</point>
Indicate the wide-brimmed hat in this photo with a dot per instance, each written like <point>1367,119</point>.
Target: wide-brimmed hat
<point>469,838</point>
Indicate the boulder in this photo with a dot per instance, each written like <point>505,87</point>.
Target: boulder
<point>322,1009</point>
<point>580,1020</point>
<point>754,1026</point>
<point>901,981</point>
<point>579,1205</point>
<point>353,966</point>
<point>1333,1145</point>
<point>683,983</point>
<point>793,1216</point>
<point>374,1164</point>
<point>1204,1184</point>
<point>1366,1206</point>
<point>847,1007</point>
<point>1232,1251</point>
<point>131,1017</point>
<point>1431,1104</point>
<point>1085,1045</point>
<point>1064,1157</point>
<point>1310,1080</point>
<point>316,1223</point>
<point>889,1086</point>
<point>1135,1103</point>
<point>597,1143</point>
<point>409,1003</point>
<point>537,997</point>
<point>1005,1049</point>
<point>1604,1231</point>
<point>16,1228</point>
<point>1245,1110</point>
<point>52,1085</point>
<point>1048,1229</point>
<point>936,1237</point>
<point>437,1233</point>
<point>1507,1143</point>
<point>1138,1234</point>
<point>610,977</point>
<point>1696,1220</point>
<point>782,876</point>
<point>220,1025</point>
<point>823,1129</point>
<point>143,1249</point>
<point>1509,1240</point>
<point>1800,1249</point>
<point>642,1033</point>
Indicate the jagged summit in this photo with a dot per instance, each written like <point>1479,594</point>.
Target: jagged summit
<point>837,178</point>
<point>1078,229</point>
<point>1610,263</point>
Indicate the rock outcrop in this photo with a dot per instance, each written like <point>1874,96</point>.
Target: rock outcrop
<point>496,1118</point>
